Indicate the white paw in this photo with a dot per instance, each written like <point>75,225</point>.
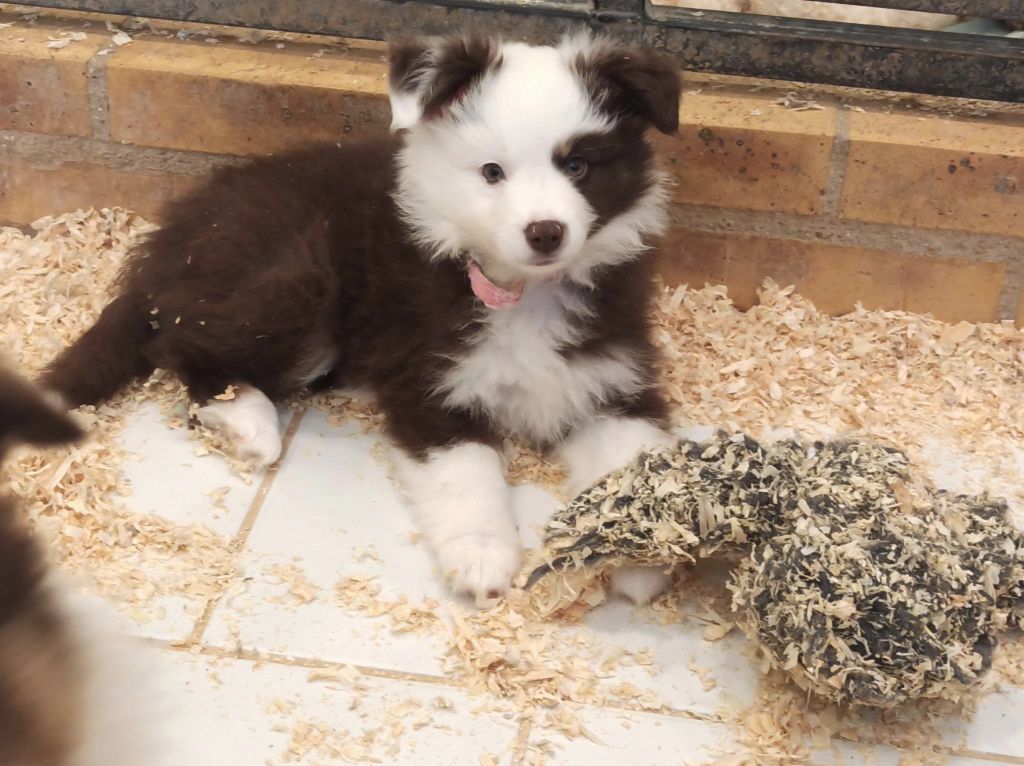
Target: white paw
<point>481,565</point>
<point>640,585</point>
<point>250,422</point>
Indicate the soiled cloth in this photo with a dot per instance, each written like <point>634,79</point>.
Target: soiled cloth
<point>865,583</point>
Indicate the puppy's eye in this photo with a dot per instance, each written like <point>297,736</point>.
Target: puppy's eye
<point>492,172</point>
<point>576,168</point>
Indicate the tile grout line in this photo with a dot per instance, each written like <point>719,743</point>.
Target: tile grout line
<point>311,663</point>
<point>242,536</point>
<point>521,742</point>
<point>273,658</point>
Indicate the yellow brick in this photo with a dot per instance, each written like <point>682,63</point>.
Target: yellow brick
<point>43,89</point>
<point>747,152</point>
<point>943,173</point>
<point>835,278</point>
<point>28,192</point>
<point>238,99</point>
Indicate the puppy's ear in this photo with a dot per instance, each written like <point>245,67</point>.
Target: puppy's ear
<point>630,81</point>
<point>26,417</point>
<point>428,75</point>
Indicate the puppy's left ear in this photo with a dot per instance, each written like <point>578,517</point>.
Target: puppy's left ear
<point>428,75</point>
<point>632,81</point>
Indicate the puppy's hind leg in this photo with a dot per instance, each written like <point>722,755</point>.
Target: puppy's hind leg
<point>249,420</point>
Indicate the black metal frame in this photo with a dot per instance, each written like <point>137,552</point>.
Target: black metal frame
<point>915,61</point>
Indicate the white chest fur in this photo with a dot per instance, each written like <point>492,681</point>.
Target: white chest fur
<point>515,371</point>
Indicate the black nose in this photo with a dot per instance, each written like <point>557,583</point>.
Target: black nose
<point>545,236</point>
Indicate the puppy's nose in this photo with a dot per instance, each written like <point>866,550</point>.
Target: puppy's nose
<point>545,236</point>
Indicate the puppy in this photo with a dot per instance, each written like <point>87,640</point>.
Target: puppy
<point>484,272</point>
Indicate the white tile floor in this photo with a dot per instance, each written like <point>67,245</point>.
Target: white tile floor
<point>254,683</point>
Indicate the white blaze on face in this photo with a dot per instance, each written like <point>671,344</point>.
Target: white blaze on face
<point>518,117</point>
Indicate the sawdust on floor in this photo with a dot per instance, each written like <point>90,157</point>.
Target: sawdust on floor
<point>930,388</point>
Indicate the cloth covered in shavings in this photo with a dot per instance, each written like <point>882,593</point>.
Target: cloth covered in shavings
<point>865,583</point>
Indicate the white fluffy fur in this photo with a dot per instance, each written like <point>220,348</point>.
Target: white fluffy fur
<point>464,506</point>
<point>250,421</point>
<point>605,444</point>
<point>133,714</point>
<point>517,117</point>
<point>516,373</point>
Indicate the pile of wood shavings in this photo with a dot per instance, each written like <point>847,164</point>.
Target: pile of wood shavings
<point>903,379</point>
<point>784,727</point>
<point>516,651</point>
<point>52,287</point>
<point>897,376</point>
<point>361,594</point>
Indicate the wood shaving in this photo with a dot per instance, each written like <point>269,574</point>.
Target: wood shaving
<point>347,675</point>
<point>65,39</point>
<point>528,466</point>
<point>229,392</point>
<point>704,674</point>
<point>376,737</point>
<point>795,103</point>
<point>520,651</point>
<point>341,408</point>
<point>1009,662</point>
<point>301,590</point>
<point>360,594</point>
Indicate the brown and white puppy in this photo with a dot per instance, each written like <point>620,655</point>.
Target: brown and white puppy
<point>484,273</point>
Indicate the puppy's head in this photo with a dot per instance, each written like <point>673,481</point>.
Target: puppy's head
<point>531,161</point>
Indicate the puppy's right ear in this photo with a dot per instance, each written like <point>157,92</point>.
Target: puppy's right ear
<point>428,75</point>
<point>26,417</point>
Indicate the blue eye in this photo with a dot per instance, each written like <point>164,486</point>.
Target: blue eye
<point>492,172</point>
<point>576,167</point>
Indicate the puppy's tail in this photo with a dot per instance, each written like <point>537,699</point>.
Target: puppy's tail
<point>109,355</point>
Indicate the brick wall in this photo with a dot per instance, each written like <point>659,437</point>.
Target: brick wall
<point>892,207</point>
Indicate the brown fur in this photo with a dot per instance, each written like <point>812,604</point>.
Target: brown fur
<point>635,82</point>
<point>276,266</point>
<point>40,675</point>
<point>449,71</point>
<point>619,167</point>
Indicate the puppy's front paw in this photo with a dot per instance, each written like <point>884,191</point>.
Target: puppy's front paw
<point>481,565</point>
<point>641,585</point>
<point>253,430</point>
